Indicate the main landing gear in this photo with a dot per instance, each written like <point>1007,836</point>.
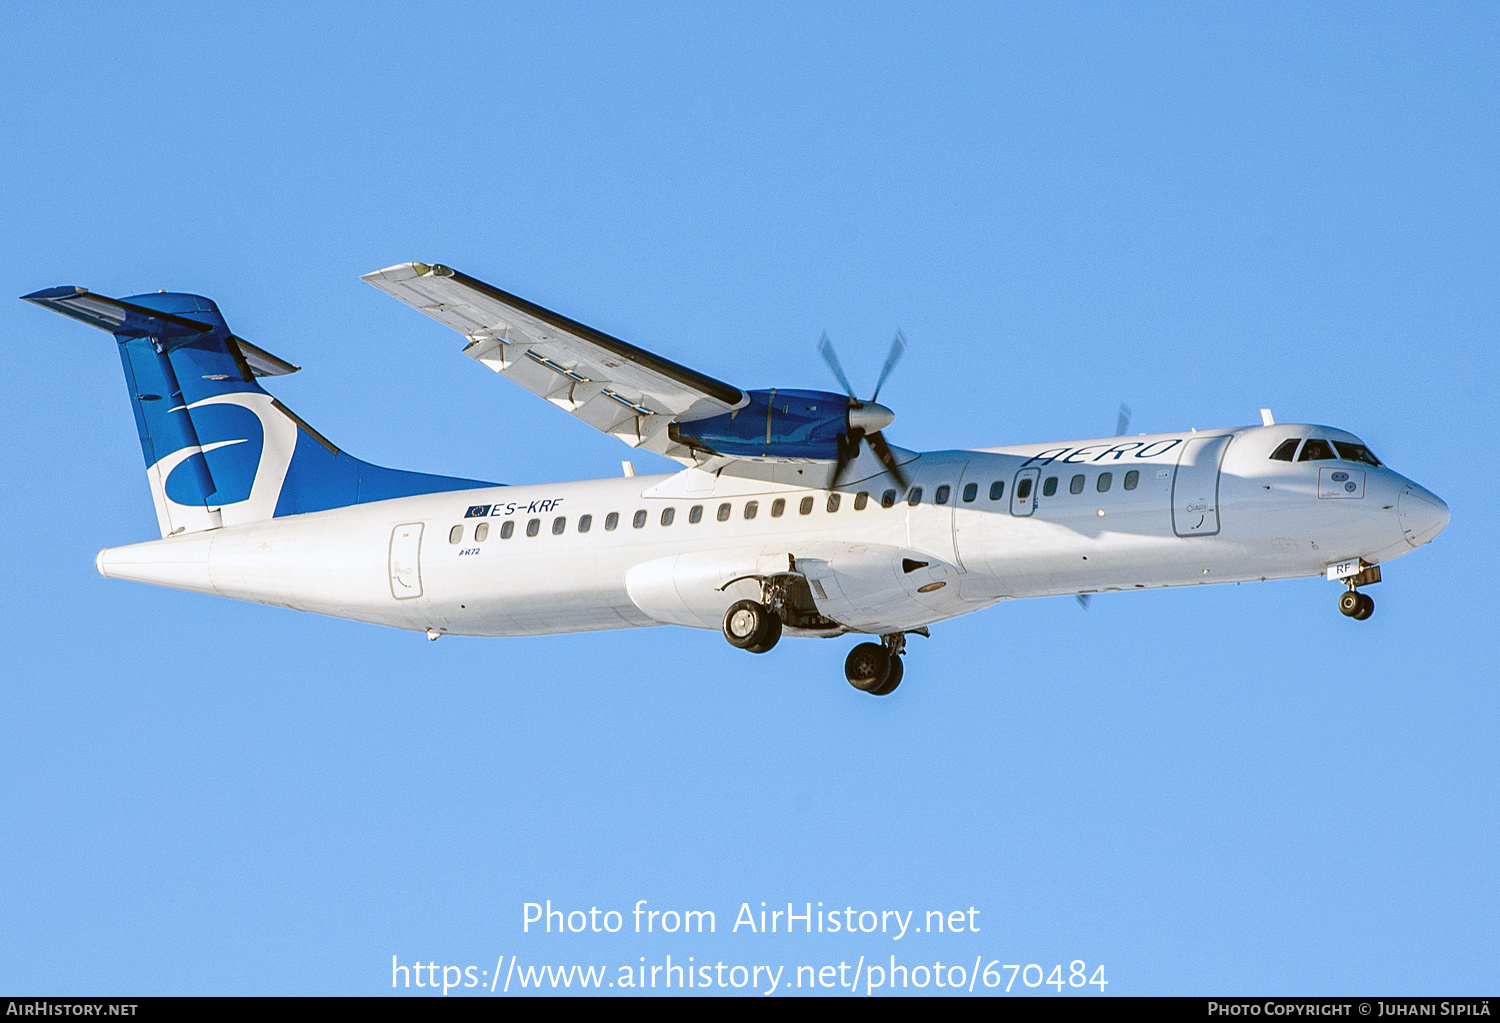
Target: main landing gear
<point>751,625</point>
<point>876,668</point>
<point>755,625</point>
<point>1355,604</point>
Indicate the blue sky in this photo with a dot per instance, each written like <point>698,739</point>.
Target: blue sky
<point>1197,211</point>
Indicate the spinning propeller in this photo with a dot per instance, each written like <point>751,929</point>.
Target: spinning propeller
<point>866,418</point>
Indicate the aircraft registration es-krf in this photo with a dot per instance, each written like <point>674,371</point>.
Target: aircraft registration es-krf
<point>792,515</point>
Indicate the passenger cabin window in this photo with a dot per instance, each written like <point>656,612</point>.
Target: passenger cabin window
<point>1023,489</point>
<point>861,499</point>
<point>559,524</point>
<point>695,513</point>
<point>585,523</point>
<point>751,507</point>
<point>638,521</point>
<point>611,521</point>
<point>1132,479</point>
<point>888,499</point>
<point>507,529</point>
<point>804,507</point>
<point>1106,480</point>
<point>533,527</point>
<point>456,534</point>
<point>971,491</point>
<point>914,496</point>
<point>833,502</point>
<point>1049,487</point>
<point>1355,453</point>
<point>997,490</point>
<point>1286,450</point>
<point>1315,451</point>
<point>724,512</point>
<point>1075,485</point>
<point>778,507</point>
<point>940,496</point>
<point>667,515</point>
<point>481,532</point>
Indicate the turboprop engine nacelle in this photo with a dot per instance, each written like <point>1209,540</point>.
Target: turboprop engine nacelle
<point>777,424</point>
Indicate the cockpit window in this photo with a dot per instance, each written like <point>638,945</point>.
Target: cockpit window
<point>1286,449</point>
<point>1315,450</point>
<point>1355,453</point>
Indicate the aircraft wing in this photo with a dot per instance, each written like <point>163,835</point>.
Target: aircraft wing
<point>613,386</point>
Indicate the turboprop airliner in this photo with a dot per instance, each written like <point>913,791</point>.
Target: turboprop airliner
<point>792,515</point>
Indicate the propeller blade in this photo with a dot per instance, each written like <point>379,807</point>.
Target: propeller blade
<point>848,452</point>
<point>825,348</point>
<point>1083,600</point>
<point>887,458</point>
<point>898,349</point>
<point>1122,423</point>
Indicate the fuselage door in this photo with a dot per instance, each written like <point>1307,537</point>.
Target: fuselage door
<point>1195,487</point>
<point>1023,492</point>
<point>406,571</point>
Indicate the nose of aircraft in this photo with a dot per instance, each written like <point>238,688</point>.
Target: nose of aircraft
<point>1423,514</point>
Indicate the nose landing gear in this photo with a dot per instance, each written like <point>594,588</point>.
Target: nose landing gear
<point>1354,604</point>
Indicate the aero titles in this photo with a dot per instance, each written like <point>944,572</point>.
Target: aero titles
<point>1087,453</point>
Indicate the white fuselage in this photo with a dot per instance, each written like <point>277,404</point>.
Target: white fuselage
<point>415,563</point>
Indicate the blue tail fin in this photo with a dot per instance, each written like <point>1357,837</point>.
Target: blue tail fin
<point>220,450</point>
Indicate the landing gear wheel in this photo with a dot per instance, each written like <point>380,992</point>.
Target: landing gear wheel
<point>1366,607</point>
<point>867,667</point>
<point>1350,602</point>
<point>751,626</point>
<point>770,635</point>
<point>892,680</point>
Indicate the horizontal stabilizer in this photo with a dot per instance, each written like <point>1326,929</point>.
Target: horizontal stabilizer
<point>126,319</point>
<point>123,319</point>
